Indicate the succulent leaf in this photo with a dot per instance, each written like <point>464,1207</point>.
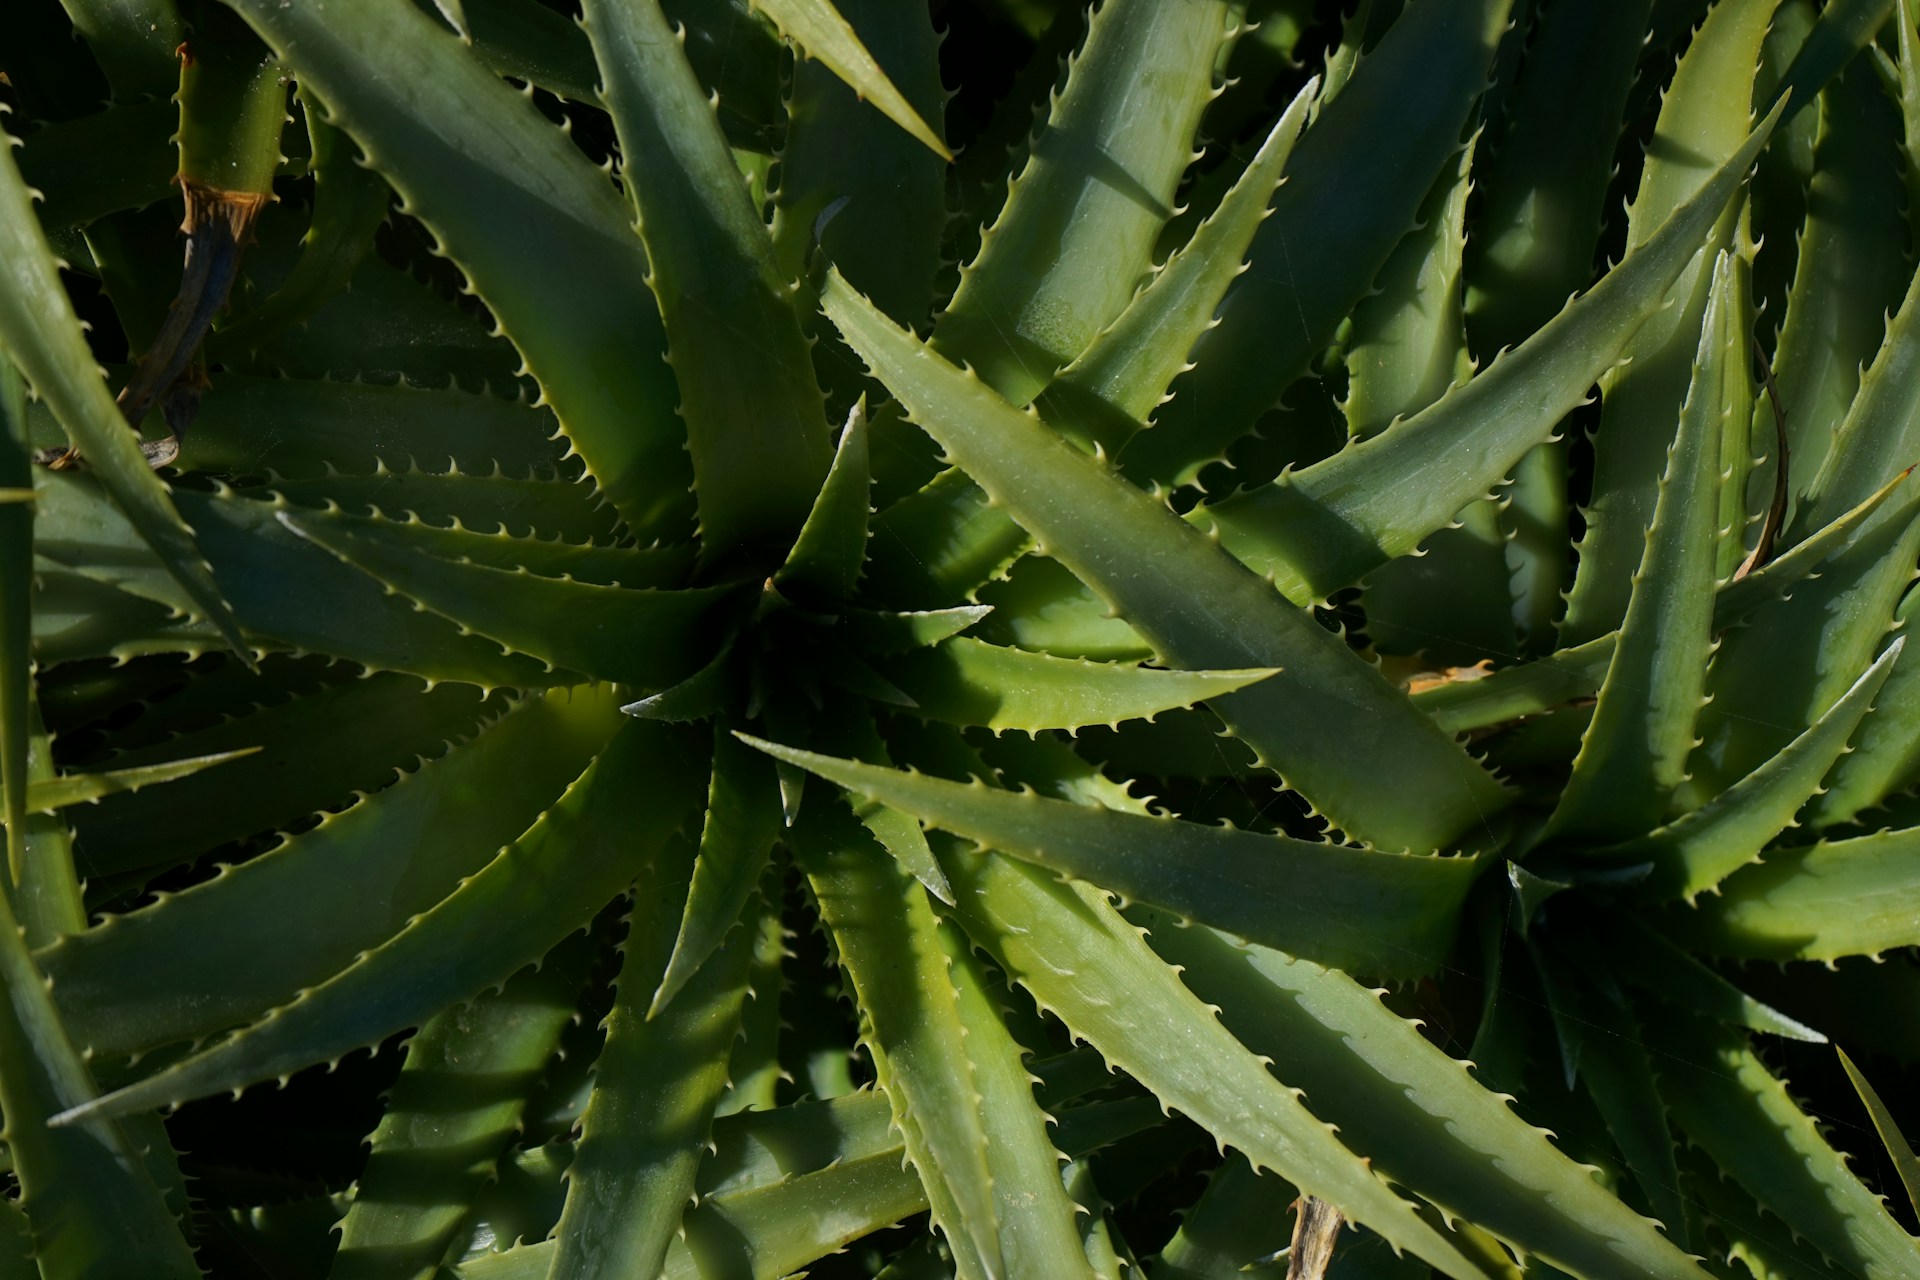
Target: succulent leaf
<point>255,937</point>
<point>552,257</point>
<point>753,414</point>
<point>1323,527</point>
<point>1212,874</point>
<point>1136,555</point>
<point>592,844</point>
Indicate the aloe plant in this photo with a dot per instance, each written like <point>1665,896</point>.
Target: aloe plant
<point>994,654</point>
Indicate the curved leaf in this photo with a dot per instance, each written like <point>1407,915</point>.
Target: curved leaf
<point>258,935</point>
<point>1325,526</point>
<point>817,27</point>
<point>1819,902</point>
<point>638,636</point>
<point>43,338</point>
<point>591,845</point>
<point>1141,558</point>
<point>656,1083</point>
<point>1083,962</point>
<point>449,1117</point>
<point>755,426</point>
<point>541,235</point>
<point>1385,913</point>
<point>972,682</point>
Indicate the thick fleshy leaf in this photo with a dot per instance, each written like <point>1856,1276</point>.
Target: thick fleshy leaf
<point>1110,388</point>
<point>853,185</point>
<point>656,1083</point>
<point>969,681</point>
<point>310,753</point>
<point>16,614</point>
<point>1417,1113</point>
<point>1576,672</point>
<point>1704,117</point>
<point>742,823</point>
<point>1819,902</point>
<point>1139,556</point>
<point>450,1116</point>
<point>255,937</point>
<point>747,394</point>
<point>590,846</point>
<point>832,545</point>
<point>89,788</point>
<point>1354,186</point>
<point>1325,526</point>
<point>1701,848</point>
<point>1634,752</point>
<point>1076,236</point>
<point>820,32</point>
<point>43,338</point>
<point>1896,1142</point>
<point>541,235</point>
<point>1725,1100</point>
<point>1082,961</point>
<point>1384,913</point>
<point>638,636</point>
<point>89,1192</point>
<point>887,939</point>
<point>1847,278</point>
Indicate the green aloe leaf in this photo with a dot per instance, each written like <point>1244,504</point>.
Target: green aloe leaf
<point>747,393</point>
<point>1082,961</point>
<point>1110,388</point>
<point>450,1116</point>
<point>1453,599</point>
<point>633,567</point>
<point>592,844</point>
<point>350,204</point>
<point>869,196</point>
<point>305,428</point>
<point>656,1083</point>
<point>1634,752</point>
<point>820,32</point>
<point>1354,185</point>
<point>1704,118</point>
<point>969,681</point>
<point>1654,964</point>
<point>1725,1100</point>
<point>1138,556</point>
<point>766,1231</point>
<point>1385,913</point>
<point>63,161</point>
<point>640,636</point>
<point>89,788</point>
<point>1576,672</point>
<point>89,1192</point>
<point>1846,280</point>
<point>254,938</point>
<point>1325,526</point>
<point>16,615</point>
<point>885,935</point>
<point>311,753</point>
<point>134,40</point>
<point>1701,848</point>
<point>552,257</point>
<point>1845,27</point>
<point>1039,605</point>
<point>1417,1113</point>
<point>742,823</point>
<point>832,545</point>
<point>44,340</point>
<point>544,508</point>
<point>1076,236</point>
<point>1817,902</point>
<point>1896,1142</point>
